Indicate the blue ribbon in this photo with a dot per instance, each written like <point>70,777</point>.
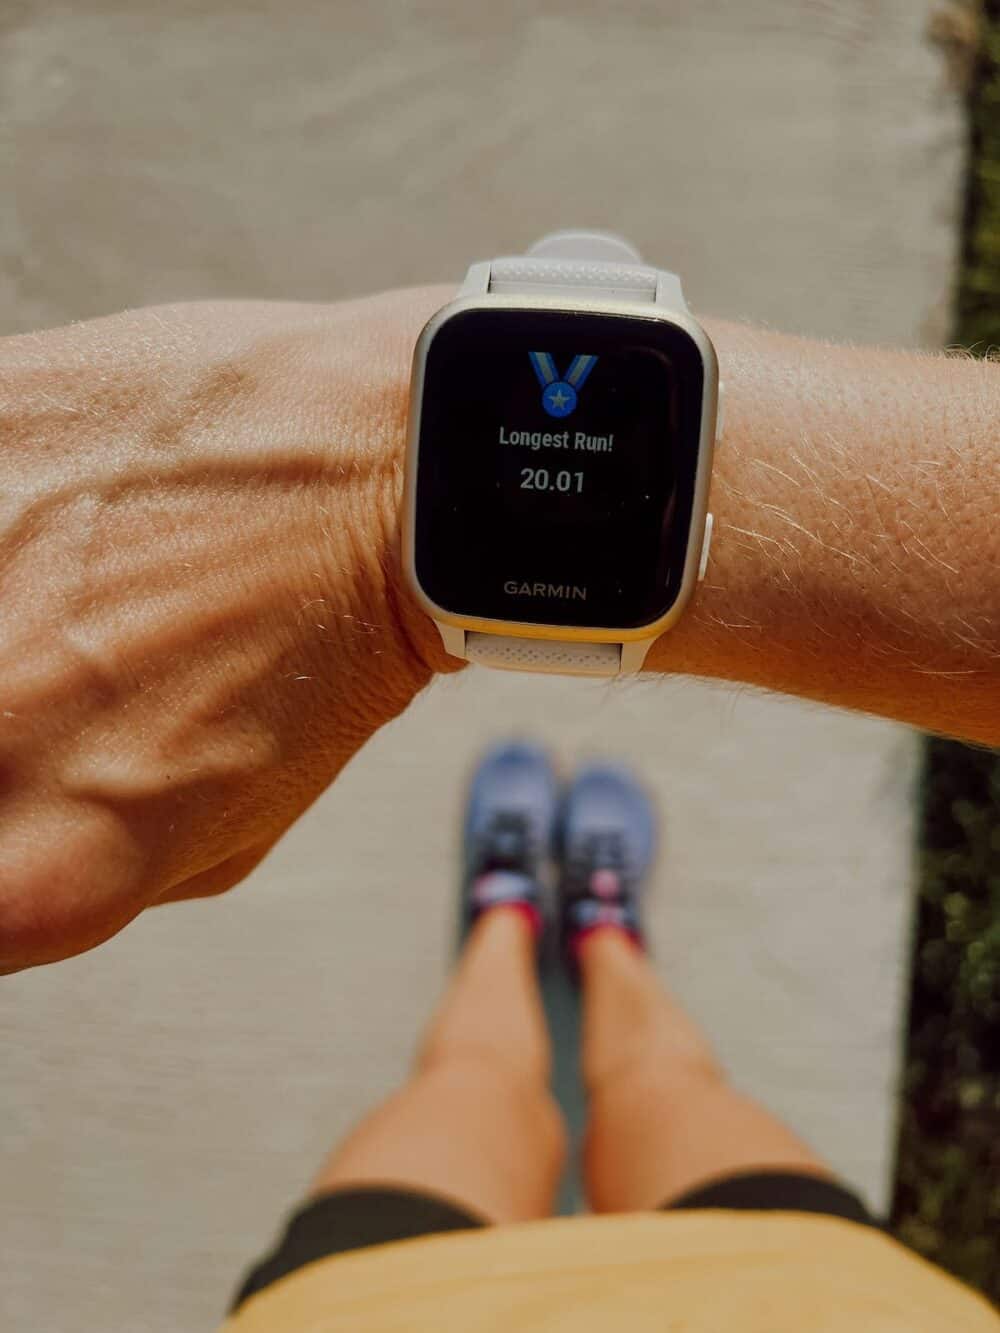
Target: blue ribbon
<point>545,368</point>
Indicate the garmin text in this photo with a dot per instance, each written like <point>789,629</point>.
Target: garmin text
<point>567,592</point>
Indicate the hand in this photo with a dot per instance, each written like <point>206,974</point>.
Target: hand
<point>202,611</point>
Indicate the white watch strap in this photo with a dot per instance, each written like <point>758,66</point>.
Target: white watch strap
<point>585,263</point>
<point>554,656</point>
<point>563,277</point>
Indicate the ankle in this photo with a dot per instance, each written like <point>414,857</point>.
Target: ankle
<point>521,913</point>
<point>505,893</point>
<point>604,938</point>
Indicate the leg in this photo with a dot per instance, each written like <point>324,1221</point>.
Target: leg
<point>663,1119</point>
<point>476,1122</point>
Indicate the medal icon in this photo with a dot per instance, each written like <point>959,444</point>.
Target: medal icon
<point>559,398</point>
<point>559,394</point>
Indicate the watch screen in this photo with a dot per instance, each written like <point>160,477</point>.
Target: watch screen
<point>556,466</point>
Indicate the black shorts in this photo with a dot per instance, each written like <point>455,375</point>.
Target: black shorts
<point>352,1219</point>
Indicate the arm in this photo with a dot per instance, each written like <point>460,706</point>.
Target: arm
<point>856,553</point>
<point>202,616</point>
<point>200,612</point>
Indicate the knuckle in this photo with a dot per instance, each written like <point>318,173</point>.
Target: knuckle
<point>64,887</point>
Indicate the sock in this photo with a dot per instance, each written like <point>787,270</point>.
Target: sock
<point>512,889</point>
<point>607,905</point>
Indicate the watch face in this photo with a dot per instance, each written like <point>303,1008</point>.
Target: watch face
<point>556,466</point>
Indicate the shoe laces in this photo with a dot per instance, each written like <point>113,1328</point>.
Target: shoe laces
<point>507,843</point>
<point>603,849</point>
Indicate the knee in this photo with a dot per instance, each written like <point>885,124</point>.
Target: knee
<point>495,1091</point>
<point>527,1063</point>
<point>647,1071</point>
<point>552,1131</point>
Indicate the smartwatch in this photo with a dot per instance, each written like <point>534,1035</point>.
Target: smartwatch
<point>563,412</point>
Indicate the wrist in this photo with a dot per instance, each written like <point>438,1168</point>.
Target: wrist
<point>838,569</point>
<point>782,589</point>
<point>353,372</point>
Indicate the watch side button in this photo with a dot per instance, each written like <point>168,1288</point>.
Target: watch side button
<point>453,640</point>
<point>706,543</point>
<point>720,411</point>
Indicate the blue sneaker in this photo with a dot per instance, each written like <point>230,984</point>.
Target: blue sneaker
<point>510,820</point>
<point>607,837</point>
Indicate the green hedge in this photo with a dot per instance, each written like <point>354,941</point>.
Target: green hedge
<point>947,1202</point>
<point>947,1197</point>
